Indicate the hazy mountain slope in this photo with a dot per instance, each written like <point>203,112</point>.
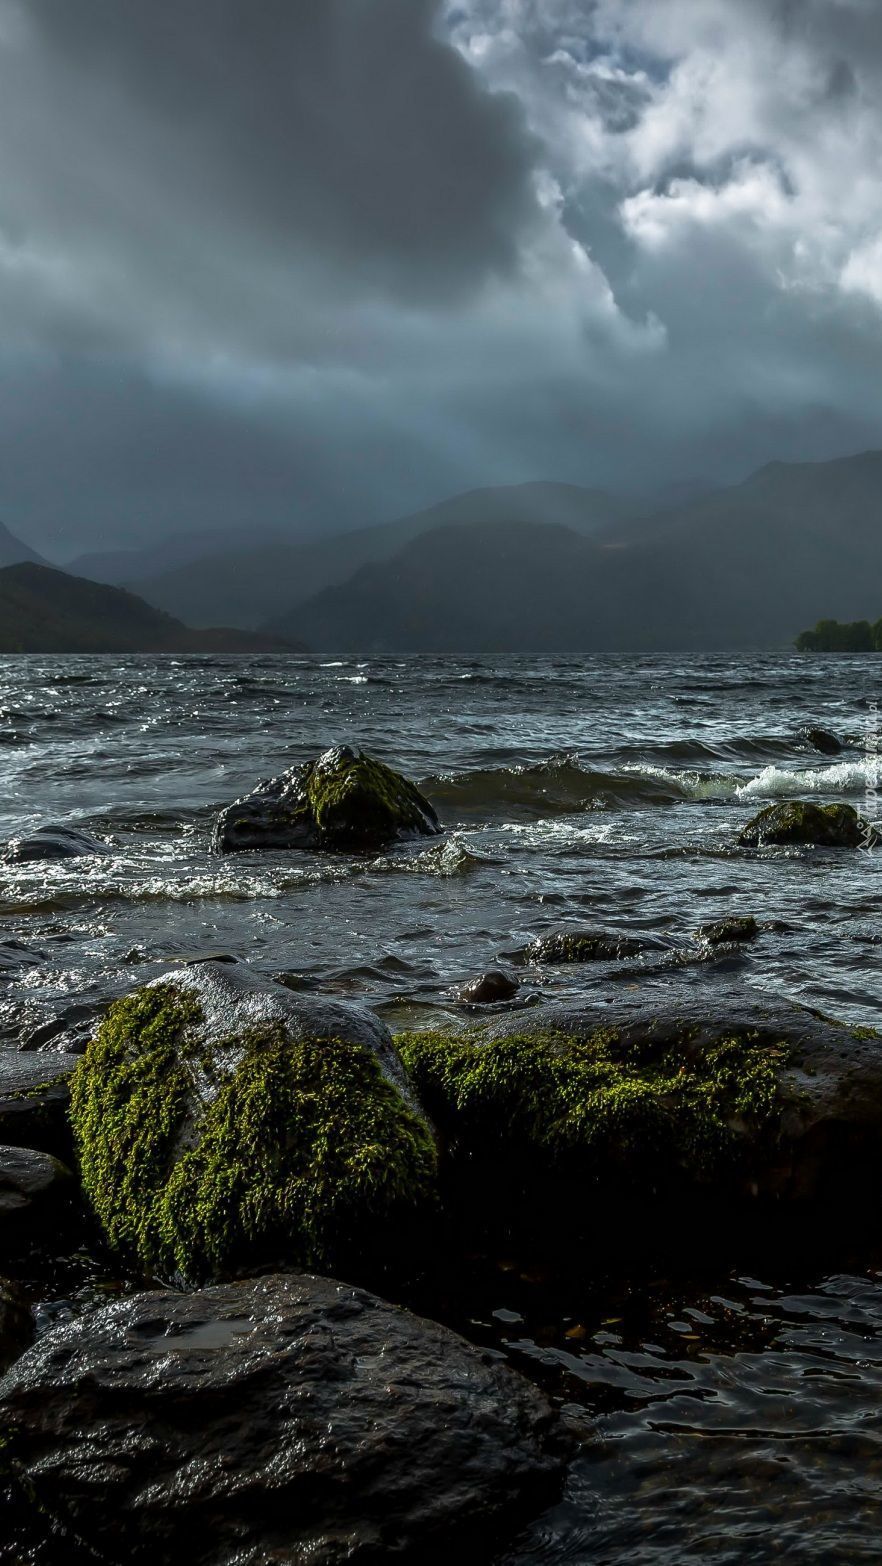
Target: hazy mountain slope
<point>13,551</point>
<point>121,566</point>
<point>746,567</point>
<point>47,611</point>
<point>248,587</point>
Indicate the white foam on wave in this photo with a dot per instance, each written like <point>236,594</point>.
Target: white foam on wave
<point>845,777</point>
<point>692,785</point>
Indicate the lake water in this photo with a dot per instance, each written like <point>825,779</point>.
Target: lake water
<point>739,1416</point>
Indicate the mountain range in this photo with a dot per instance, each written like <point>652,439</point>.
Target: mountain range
<point>47,611</point>
<point>547,568</point>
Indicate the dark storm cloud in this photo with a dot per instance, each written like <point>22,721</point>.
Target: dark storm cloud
<point>315,262</point>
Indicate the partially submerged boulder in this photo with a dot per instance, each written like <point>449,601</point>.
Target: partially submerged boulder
<point>802,821</point>
<point>581,1107</point>
<point>223,1122</point>
<point>34,1100</point>
<point>285,1419</point>
<point>721,932</point>
<point>52,842</point>
<point>344,800</point>
<point>574,945</point>
<point>822,740</point>
<point>489,989</point>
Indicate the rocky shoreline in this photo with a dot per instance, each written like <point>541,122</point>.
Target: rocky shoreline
<point>258,1167</point>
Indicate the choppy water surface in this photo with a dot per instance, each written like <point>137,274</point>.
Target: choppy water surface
<point>738,1417</point>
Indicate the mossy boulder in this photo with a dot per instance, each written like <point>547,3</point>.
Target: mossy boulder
<point>802,821</point>
<point>581,1108</point>
<point>225,1123</point>
<point>343,800</point>
<point>724,932</point>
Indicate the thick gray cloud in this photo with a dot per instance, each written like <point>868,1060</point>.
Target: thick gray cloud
<point>311,262</point>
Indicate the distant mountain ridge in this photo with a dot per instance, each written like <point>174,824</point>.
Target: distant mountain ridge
<point>745,567</point>
<point>260,583</point>
<point>43,610</point>
<point>14,552</point>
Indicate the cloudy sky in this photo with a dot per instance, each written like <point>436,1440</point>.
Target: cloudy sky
<point>307,263</point>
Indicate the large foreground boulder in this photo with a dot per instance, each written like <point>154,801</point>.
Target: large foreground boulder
<point>802,821</point>
<point>679,1093</point>
<point>34,1100</point>
<point>225,1122</point>
<point>344,800</point>
<point>288,1419</point>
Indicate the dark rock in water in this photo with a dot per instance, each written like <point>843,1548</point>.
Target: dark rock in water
<point>489,989</point>
<point>564,946</point>
<point>343,800</point>
<point>802,821</point>
<point>52,842</point>
<point>740,928</point>
<point>34,1100</point>
<point>224,1122</point>
<point>282,1419</point>
<point>15,955</point>
<point>822,740</point>
<point>660,1095</point>
<point>16,1325</point>
<point>66,1031</point>
<point>36,1192</point>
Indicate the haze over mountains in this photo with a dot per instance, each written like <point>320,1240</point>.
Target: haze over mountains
<point>547,567</point>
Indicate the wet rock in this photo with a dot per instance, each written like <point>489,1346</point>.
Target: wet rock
<point>16,1324</point>
<point>34,1100</point>
<point>36,1196</point>
<point>489,989</point>
<point>65,1030</point>
<point>673,1092</point>
<point>564,946</point>
<point>51,842</point>
<point>822,740</point>
<point>14,955</point>
<point>721,931</point>
<point>225,1122</point>
<point>802,821</point>
<point>286,1419</point>
<point>344,800</point>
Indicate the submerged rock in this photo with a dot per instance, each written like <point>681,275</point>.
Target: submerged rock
<point>822,740</point>
<point>34,1100</point>
<point>742,927</point>
<point>564,946</point>
<point>344,800</point>
<point>52,842</point>
<point>802,821</point>
<point>223,1122</point>
<point>36,1193</point>
<point>657,1097</point>
<point>285,1419</point>
<point>489,989</point>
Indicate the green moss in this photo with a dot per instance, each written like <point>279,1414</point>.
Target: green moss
<point>603,1106</point>
<point>303,1151</point>
<point>358,797</point>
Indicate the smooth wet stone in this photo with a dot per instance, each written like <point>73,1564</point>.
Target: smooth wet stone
<point>489,989</point>
<point>224,1122</point>
<point>822,740</point>
<point>16,1324</point>
<point>573,945</point>
<point>343,800</point>
<point>795,821</point>
<point>721,931</point>
<point>36,1194</point>
<point>278,1422</point>
<point>52,842</point>
<point>34,1100</point>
